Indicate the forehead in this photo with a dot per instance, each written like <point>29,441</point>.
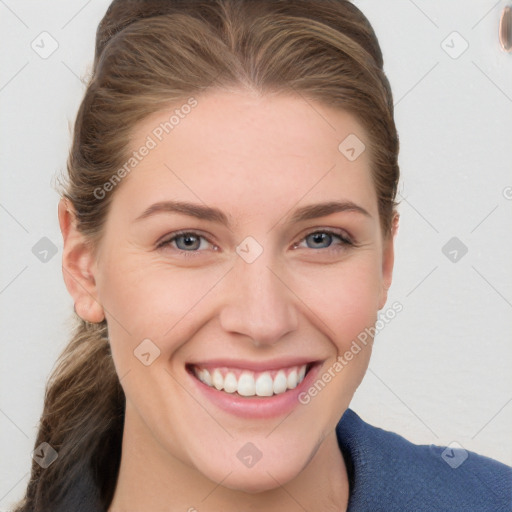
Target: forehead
<point>250,150</point>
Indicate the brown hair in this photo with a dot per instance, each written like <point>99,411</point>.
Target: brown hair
<point>152,54</point>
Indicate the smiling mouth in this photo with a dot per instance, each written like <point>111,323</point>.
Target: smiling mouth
<point>247,383</point>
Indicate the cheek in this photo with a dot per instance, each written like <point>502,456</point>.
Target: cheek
<point>145,299</point>
<point>344,302</point>
<point>344,298</point>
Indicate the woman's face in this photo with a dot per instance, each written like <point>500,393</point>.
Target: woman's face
<point>267,281</point>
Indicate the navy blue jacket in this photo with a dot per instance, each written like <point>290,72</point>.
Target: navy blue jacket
<point>389,474</point>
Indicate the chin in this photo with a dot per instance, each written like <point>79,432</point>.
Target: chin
<point>275,468</point>
<point>251,482</point>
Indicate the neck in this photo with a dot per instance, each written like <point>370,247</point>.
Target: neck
<point>152,479</point>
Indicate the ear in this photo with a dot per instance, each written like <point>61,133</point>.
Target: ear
<point>78,266</point>
<point>388,260</point>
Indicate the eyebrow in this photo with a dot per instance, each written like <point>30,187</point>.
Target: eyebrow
<point>215,215</point>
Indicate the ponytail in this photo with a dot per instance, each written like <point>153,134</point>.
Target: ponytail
<point>82,421</point>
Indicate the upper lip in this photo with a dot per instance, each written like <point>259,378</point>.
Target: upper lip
<point>255,366</point>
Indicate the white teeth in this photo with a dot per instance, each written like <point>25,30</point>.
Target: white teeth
<point>280,383</point>
<point>230,383</point>
<point>264,385</point>
<point>292,379</point>
<point>249,385</point>
<point>246,385</point>
<point>218,380</point>
<point>204,376</point>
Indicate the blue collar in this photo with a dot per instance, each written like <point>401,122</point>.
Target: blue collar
<point>388,473</point>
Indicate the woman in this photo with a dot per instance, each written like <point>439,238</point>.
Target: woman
<point>228,232</point>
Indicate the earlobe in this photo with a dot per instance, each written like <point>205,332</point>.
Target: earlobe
<point>78,266</point>
<point>388,260</point>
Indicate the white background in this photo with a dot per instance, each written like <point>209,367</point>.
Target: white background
<point>441,370</point>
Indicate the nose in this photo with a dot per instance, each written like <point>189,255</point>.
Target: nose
<point>259,304</point>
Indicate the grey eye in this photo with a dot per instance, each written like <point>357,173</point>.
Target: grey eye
<point>190,241</point>
<point>324,239</point>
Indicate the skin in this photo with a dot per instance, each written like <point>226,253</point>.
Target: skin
<point>257,158</point>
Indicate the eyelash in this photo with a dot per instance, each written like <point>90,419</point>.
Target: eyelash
<point>345,241</point>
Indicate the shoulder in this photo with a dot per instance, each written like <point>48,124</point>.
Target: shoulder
<point>390,473</point>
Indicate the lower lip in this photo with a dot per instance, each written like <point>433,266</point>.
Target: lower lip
<point>255,406</point>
